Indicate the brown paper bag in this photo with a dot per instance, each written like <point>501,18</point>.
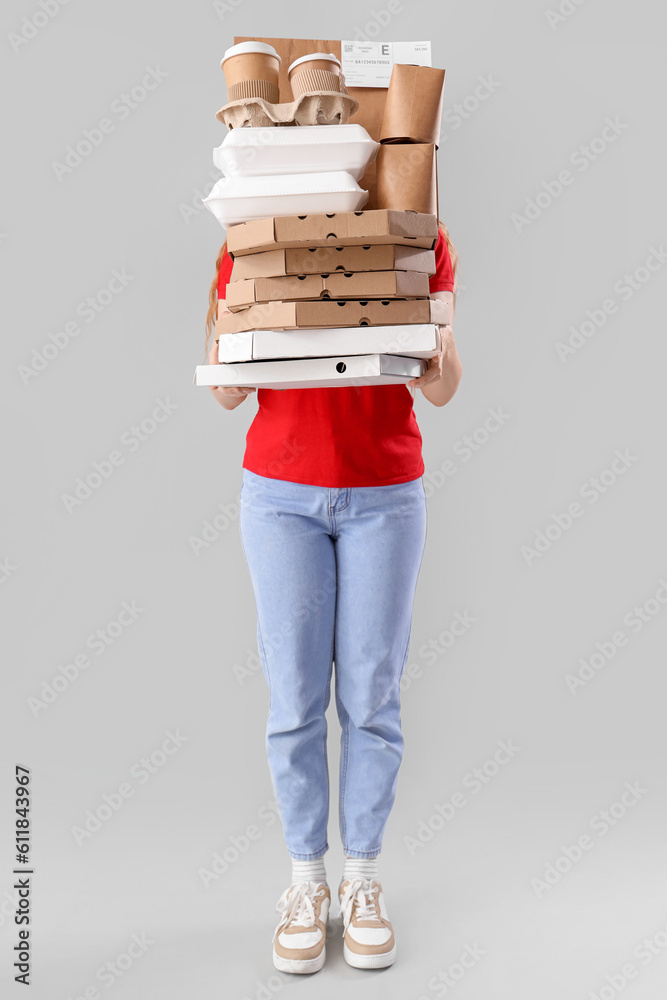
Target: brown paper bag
<point>413,107</point>
<point>407,177</point>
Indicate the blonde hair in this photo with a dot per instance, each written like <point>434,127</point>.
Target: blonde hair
<point>213,290</point>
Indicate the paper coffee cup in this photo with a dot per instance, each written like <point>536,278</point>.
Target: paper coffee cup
<point>317,71</point>
<point>252,69</point>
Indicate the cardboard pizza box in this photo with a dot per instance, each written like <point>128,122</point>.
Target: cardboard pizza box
<point>415,341</point>
<point>291,315</point>
<point>338,285</point>
<point>338,229</point>
<point>305,373</point>
<point>324,260</point>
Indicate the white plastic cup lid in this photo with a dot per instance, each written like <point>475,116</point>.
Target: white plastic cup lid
<point>314,55</point>
<point>245,47</point>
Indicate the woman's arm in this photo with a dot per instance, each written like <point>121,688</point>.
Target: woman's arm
<point>228,396</point>
<point>441,379</point>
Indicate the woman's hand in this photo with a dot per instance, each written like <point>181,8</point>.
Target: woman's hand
<point>441,379</point>
<point>439,363</point>
<point>228,396</point>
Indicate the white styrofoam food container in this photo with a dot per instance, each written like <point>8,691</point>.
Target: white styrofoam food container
<point>241,199</point>
<point>415,340</point>
<point>254,152</point>
<point>311,373</point>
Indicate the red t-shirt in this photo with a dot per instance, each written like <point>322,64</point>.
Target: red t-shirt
<point>343,435</point>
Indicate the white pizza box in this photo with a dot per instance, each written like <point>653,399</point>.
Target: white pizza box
<point>263,152</point>
<point>233,200</point>
<point>416,340</point>
<point>311,373</point>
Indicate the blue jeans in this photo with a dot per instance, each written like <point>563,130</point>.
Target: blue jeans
<point>334,573</point>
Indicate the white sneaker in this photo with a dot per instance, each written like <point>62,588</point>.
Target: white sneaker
<point>368,936</point>
<point>299,940</point>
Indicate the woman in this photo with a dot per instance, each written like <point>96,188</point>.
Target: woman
<point>333,528</point>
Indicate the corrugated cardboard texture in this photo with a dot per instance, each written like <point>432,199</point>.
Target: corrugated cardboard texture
<point>361,285</point>
<point>413,108</point>
<point>407,177</point>
<point>371,99</point>
<point>339,229</point>
<point>324,260</point>
<point>288,315</point>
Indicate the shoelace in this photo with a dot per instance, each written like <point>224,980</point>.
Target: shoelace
<point>363,892</point>
<point>296,904</point>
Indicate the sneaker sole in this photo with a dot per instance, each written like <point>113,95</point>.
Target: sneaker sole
<point>368,961</point>
<point>299,965</point>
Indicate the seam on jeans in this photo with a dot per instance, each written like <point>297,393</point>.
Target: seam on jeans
<point>405,654</point>
<point>324,738</point>
<point>343,789</point>
<point>266,661</point>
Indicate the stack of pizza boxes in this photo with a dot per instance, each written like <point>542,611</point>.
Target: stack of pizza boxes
<point>324,292</point>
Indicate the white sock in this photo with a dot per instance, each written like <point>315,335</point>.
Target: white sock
<point>306,871</point>
<point>360,868</point>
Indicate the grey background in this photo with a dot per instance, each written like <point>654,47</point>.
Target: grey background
<point>173,668</point>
